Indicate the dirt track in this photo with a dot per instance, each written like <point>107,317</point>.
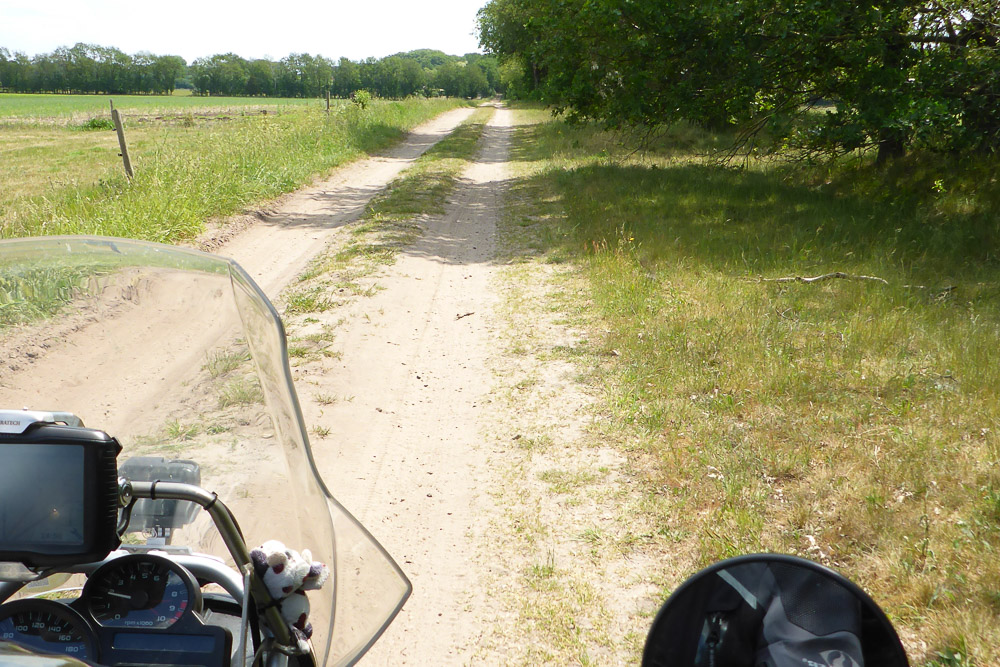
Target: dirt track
<point>410,445</point>
<point>402,454</point>
<point>405,453</point>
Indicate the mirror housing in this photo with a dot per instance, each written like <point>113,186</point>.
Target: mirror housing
<point>771,610</point>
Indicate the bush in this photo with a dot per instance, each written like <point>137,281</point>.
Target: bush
<point>362,98</point>
<point>98,123</point>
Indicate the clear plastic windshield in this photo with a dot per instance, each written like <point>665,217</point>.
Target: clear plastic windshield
<point>179,355</point>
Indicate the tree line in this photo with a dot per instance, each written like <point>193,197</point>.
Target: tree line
<point>87,68</point>
<point>831,76</point>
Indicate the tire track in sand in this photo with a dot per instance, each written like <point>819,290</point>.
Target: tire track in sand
<point>406,454</point>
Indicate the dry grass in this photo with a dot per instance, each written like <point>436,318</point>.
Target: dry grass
<point>849,422</point>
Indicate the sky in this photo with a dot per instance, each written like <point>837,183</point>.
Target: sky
<point>354,29</point>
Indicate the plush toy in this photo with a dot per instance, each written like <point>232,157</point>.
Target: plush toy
<point>288,575</point>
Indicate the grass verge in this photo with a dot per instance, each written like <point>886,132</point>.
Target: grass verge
<point>66,182</point>
<point>849,421</point>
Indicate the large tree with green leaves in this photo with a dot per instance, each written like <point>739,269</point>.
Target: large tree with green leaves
<point>890,74</point>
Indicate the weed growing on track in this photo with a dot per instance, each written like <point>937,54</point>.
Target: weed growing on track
<point>35,294</point>
<point>64,182</point>
<point>175,430</point>
<point>223,361</point>
<point>308,300</point>
<point>563,511</point>
<point>851,422</point>
<point>241,391</point>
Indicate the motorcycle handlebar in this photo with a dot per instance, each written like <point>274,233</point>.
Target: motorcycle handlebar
<point>231,536</point>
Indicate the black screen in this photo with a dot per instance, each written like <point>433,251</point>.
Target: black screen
<point>42,497</point>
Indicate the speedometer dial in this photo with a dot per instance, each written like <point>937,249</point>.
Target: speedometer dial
<point>47,626</point>
<point>141,591</point>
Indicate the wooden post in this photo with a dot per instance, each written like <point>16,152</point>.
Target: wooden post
<point>117,120</point>
<point>328,101</point>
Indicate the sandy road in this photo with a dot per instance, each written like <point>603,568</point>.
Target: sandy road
<point>404,454</point>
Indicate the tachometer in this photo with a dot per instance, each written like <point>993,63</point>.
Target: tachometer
<point>141,591</point>
<point>48,626</point>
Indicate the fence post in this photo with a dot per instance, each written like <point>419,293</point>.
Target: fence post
<point>117,120</point>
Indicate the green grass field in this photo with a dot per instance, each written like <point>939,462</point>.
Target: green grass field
<point>62,109</point>
<point>191,164</point>
<point>851,421</point>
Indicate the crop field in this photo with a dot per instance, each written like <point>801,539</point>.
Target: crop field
<point>68,109</point>
<point>194,158</point>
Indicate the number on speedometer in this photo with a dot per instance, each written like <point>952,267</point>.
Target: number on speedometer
<point>46,626</point>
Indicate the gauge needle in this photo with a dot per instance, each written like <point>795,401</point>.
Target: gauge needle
<point>118,595</point>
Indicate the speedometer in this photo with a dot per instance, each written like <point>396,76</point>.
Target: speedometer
<point>141,591</point>
<point>44,625</point>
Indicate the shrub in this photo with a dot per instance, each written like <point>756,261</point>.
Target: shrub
<point>362,98</point>
<point>98,123</point>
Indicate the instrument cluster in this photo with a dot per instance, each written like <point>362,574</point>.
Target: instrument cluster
<point>135,609</point>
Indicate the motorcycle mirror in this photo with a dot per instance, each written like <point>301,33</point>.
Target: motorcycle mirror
<point>771,610</point>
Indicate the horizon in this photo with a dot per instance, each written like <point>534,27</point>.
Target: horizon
<point>271,58</point>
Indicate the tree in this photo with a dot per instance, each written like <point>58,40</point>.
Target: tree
<point>260,78</point>
<point>97,69</point>
<point>16,73</point>
<point>411,78</point>
<point>165,73</point>
<point>113,70</point>
<point>5,68</point>
<point>225,74</point>
<point>317,75</point>
<point>47,74</point>
<point>511,29</point>
<point>461,79</point>
<point>346,78</point>
<point>449,79</point>
<point>898,72</point>
<point>490,68</point>
<point>82,68</point>
<point>428,59</point>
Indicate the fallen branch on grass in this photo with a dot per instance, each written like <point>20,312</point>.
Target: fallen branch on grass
<point>825,276</point>
<point>938,293</point>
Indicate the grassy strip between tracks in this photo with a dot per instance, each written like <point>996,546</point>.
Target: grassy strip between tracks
<point>849,420</point>
<point>348,270</point>
<point>392,219</point>
<point>59,180</point>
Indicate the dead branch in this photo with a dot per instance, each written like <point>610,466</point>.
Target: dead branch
<point>826,276</point>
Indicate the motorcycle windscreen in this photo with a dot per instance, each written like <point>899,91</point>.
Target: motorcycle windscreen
<point>179,355</point>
